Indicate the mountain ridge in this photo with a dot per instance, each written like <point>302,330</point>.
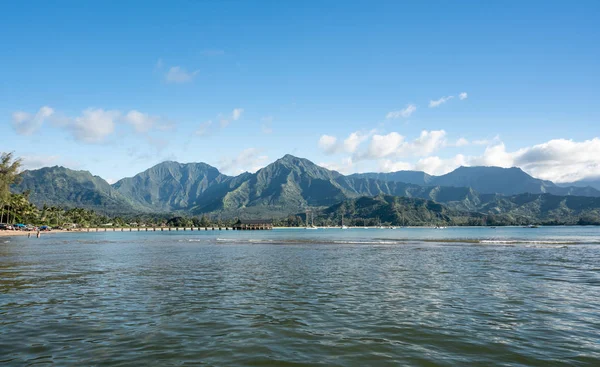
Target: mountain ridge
<point>488,180</point>
<point>288,185</point>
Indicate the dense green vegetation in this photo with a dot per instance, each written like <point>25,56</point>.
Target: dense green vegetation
<point>395,211</point>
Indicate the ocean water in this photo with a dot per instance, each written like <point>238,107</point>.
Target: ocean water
<point>358,297</point>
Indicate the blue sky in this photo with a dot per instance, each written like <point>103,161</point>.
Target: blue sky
<point>116,87</point>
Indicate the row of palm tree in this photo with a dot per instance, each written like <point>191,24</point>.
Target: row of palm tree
<point>17,208</point>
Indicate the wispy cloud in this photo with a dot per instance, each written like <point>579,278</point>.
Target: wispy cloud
<point>179,75</point>
<point>235,115</point>
<point>331,145</point>
<point>405,112</point>
<point>437,103</point>
<point>141,122</point>
<point>26,124</point>
<point>461,142</point>
<point>93,125</point>
<point>463,96</point>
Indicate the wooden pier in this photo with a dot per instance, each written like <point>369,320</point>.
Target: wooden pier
<point>256,226</point>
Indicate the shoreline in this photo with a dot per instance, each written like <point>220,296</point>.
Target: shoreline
<point>33,233</point>
<point>4,234</point>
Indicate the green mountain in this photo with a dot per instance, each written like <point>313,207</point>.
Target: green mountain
<point>487,180</point>
<point>59,186</point>
<point>292,184</point>
<point>545,208</point>
<point>519,209</point>
<point>170,186</point>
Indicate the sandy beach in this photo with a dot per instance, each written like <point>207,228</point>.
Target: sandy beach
<point>33,233</point>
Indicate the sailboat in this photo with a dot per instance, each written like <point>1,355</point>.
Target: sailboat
<point>343,226</point>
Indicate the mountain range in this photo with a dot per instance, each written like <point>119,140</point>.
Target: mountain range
<point>286,186</point>
<point>486,180</point>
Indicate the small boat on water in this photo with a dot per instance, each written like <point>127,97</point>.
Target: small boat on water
<point>343,226</point>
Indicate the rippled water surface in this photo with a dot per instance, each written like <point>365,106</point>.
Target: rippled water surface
<point>459,296</point>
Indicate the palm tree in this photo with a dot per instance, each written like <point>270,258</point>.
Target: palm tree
<point>9,174</point>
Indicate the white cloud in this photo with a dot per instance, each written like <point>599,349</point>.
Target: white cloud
<point>331,145</point>
<point>432,165</point>
<point>249,159</point>
<point>494,155</point>
<point>426,143</point>
<point>395,145</point>
<point>387,165</point>
<point>354,140</point>
<point>328,144</point>
<point>463,96</point>
<point>29,162</point>
<point>384,145</point>
<point>558,160</point>
<point>94,125</point>
<point>440,101</point>
<point>437,166</point>
<point>461,142</point>
<point>236,114</point>
<point>406,112</point>
<point>26,124</point>
<point>345,166</point>
<point>36,161</point>
<point>141,122</point>
<point>177,74</point>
